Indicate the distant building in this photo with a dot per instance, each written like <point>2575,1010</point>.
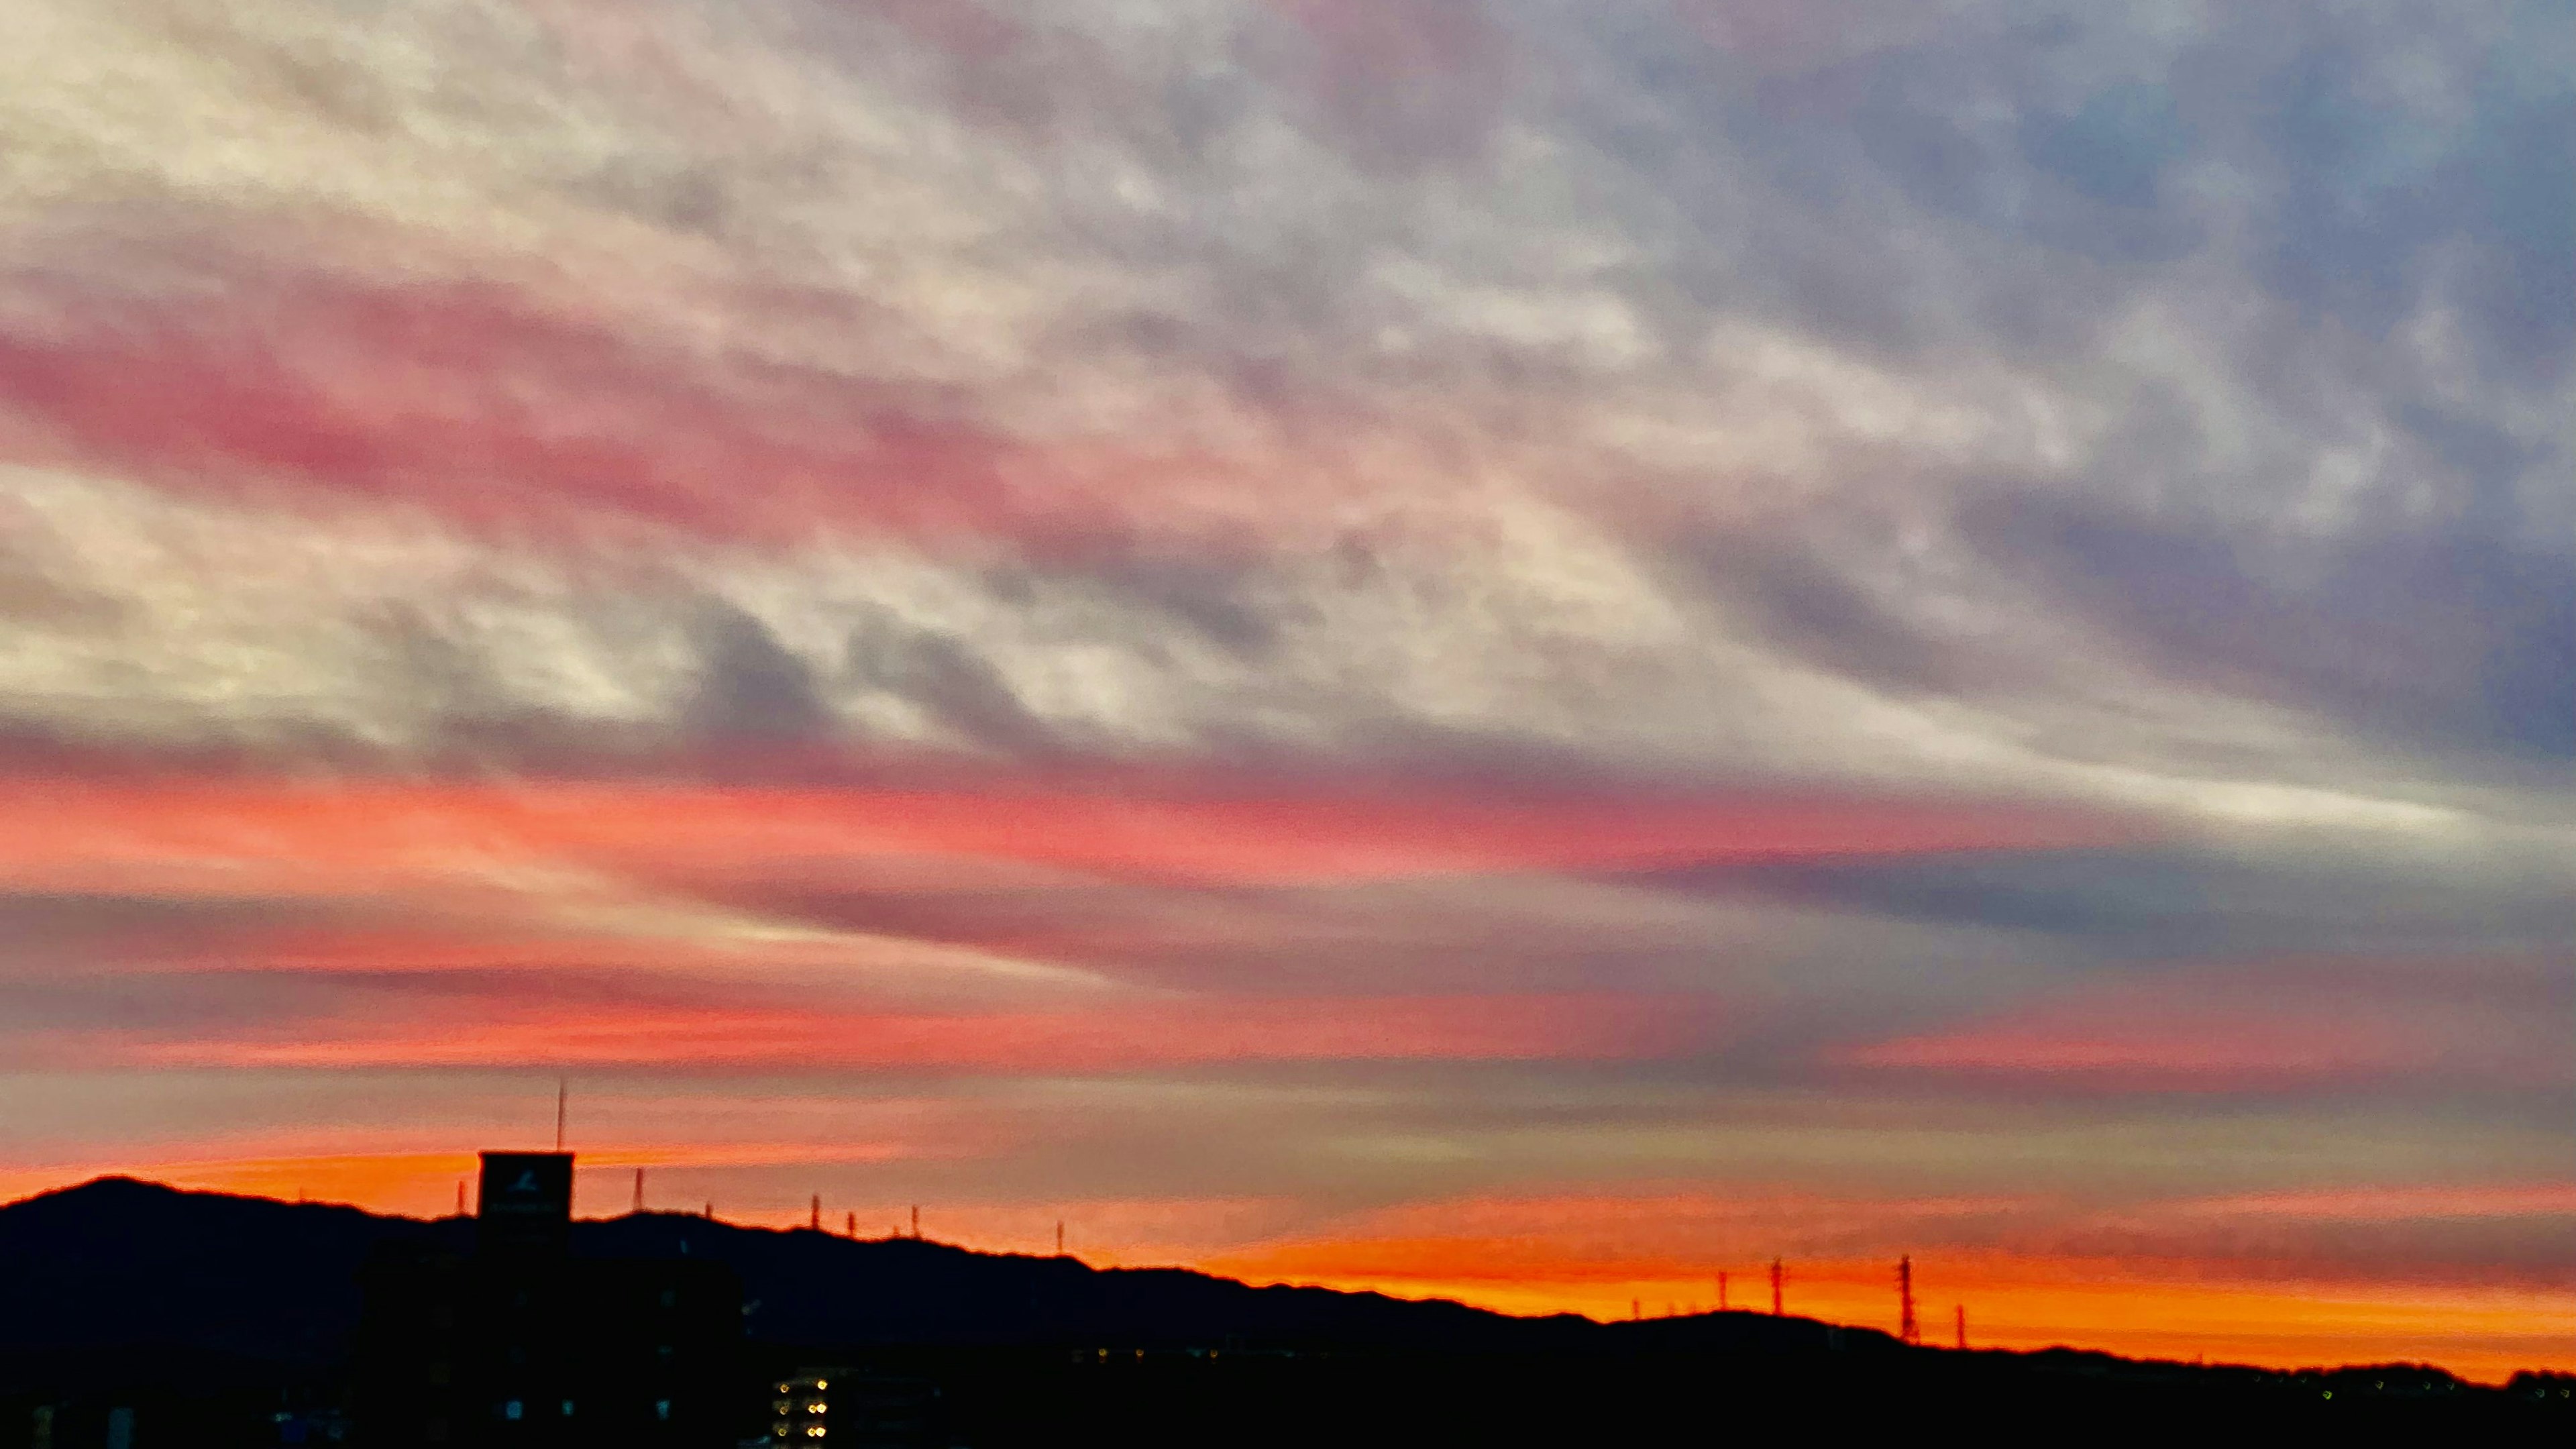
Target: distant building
<point>801,1408</point>
<point>524,1344</point>
<point>842,1408</point>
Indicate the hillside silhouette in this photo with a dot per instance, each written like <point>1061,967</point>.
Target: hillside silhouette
<point>117,1261</point>
<point>118,1282</point>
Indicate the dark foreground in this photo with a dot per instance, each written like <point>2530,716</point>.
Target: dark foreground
<point>993,1398</point>
<point>134,1317</point>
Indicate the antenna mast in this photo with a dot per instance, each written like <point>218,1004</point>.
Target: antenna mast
<point>1775,1287</point>
<point>563,1097</point>
<point>1906,1328</point>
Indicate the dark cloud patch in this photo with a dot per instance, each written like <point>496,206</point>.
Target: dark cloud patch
<point>2370,191</point>
<point>1812,608</point>
<point>2170,901</point>
<point>2105,894</point>
<point>1208,599</point>
<point>2362,195</point>
<point>750,688</point>
<point>950,682</point>
<point>2115,148</point>
<point>172,1006</point>
<point>41,924</point>
<point>2526,188</point>
<point>2447,637</point>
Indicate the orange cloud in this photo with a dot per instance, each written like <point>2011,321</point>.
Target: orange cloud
<point>296,837</point>
<point>517,1029</point>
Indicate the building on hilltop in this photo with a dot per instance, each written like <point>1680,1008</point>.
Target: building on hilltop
<point>522,1343</point>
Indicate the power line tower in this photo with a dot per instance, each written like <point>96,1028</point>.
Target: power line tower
<point>1906,1328</point>
<point>1775,1287</point>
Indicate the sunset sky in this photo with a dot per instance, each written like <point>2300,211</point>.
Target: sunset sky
<point>1519,649</point>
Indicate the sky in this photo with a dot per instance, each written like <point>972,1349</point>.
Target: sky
<point>1531,650</point>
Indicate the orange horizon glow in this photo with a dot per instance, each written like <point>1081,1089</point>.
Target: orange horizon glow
<point>2212,1309</point>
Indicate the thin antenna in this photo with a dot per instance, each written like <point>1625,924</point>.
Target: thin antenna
<point>563,1097</point>
<point>1721,1292</point>
<point>1961,1312</point>
<point>1907,1330</point>
<point>1775,1287</point>
<point>916,1220</point>
<point>816,1222</point>
<point>1059,1237</point>
<point>639,1189</point>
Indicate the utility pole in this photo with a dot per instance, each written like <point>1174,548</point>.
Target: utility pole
<point>1775,1287</point>
<point>639,1189</point>
<point>1907,1330</point>
<point>1961,1312</point>
<point>563,1098</point>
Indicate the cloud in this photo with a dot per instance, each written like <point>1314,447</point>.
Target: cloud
<point>1332,567</point>
<point>2249,1026</point>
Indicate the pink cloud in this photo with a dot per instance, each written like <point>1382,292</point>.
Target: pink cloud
<point>507,412</point>
<point>362,835</point>
<point>2252,1026</point>
<point>518,1027</point>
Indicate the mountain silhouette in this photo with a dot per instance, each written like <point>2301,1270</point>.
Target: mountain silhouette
<point>118,1283</point>
<point>118,1262</point>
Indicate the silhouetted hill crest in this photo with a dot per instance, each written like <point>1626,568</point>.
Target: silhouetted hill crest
<point>118,1261</point>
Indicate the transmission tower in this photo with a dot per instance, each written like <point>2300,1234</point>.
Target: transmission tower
<point>1775,1287</point>
<point>1906,1328</point>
